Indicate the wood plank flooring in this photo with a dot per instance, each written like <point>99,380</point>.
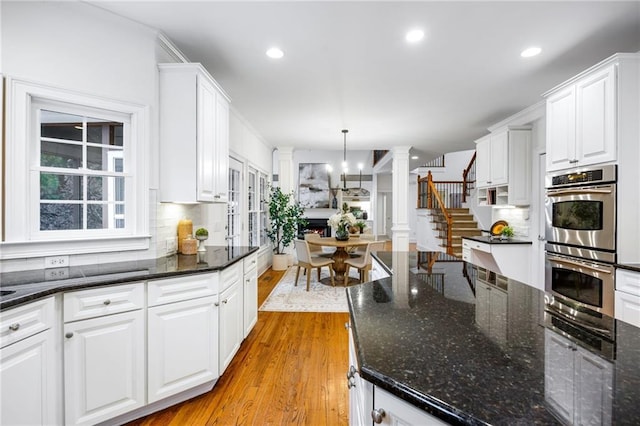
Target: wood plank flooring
<point>289,370</point>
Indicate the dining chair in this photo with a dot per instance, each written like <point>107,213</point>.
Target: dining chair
<point>309,262</point>
<point>363,263</point>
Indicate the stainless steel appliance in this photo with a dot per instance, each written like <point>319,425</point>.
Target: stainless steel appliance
<point>581,211</point>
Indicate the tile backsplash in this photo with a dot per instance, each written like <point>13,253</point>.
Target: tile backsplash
<point>518,218</point>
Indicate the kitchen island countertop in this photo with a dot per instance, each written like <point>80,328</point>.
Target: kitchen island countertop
<point>26,286</point>
<point>419,335</point>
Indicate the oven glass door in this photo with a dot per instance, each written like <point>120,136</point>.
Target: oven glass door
<point>589,284</point>
<point>582,216</point>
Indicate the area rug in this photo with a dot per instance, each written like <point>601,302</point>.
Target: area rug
<point>286,297</point>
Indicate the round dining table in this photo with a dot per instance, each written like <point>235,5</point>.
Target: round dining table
<point>341,254</point>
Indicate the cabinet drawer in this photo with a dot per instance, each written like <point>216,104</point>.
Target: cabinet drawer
<point>230,275</point>
<point>475,245</point>
<point>177,289</point>
<point>84,304</point>
<point>628,281</point>
<point>25,321</point>
<point>250,262</point>
<point>627,307</point>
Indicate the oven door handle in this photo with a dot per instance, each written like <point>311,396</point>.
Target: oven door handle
<point>579,264</point>
<point>578,191</point>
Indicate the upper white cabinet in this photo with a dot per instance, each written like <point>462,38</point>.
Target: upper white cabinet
<point>503,167</point>
<point>587,115</point>
<point>194,135</point>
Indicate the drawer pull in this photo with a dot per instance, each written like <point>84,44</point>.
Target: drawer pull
<point>107,302</point>
<point>14,327</point>
<point>69,335</point>
<point>351,384</point>
<point>216,304</point>
<point>351,373</point>
<point>378,415</point>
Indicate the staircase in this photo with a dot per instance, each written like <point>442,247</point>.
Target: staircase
<point>463,225</point>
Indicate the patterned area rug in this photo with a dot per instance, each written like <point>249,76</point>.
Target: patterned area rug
<point>286,297</point>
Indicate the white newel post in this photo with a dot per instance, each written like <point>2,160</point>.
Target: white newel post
<point>400,185</point>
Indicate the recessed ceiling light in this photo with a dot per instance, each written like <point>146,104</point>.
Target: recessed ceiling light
<point>414,36</point>
<point>531,51</point>
<point>415,157</point>
<point>275,53</point>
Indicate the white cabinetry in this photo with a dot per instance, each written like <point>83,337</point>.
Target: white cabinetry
<point>29,365</point>
<point>391,410</point>
<point>360,390</point>
<point>503,167</point>
<point>231,314</point>
<point>250,293</point>
<point>182,334</point>
<point>104,353</point>
<point>593,115</point>
<point>491,308</point>
<point>377,270</point>
<point>194,135</point>
<point>578,383</point>
<point>627,299</point>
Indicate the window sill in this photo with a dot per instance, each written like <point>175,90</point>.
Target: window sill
<point>27,249</point>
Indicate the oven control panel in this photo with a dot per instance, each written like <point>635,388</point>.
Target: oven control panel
<point>583,176</point>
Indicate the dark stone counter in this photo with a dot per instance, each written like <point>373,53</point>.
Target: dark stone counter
<point>25,286</point>
<point>427,335</point>
<point>496,240</point>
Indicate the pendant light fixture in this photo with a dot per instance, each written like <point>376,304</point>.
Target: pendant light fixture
<point>345,166</point>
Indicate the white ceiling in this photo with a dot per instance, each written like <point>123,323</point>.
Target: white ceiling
<point>347,65</point>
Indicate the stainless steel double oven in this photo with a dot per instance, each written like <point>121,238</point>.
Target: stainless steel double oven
<point>581,241</point>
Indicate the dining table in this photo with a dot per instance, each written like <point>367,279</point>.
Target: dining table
<point>341,253</point>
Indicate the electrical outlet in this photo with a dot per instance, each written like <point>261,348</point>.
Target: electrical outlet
<point>56,262</point>
<point>56,274</point>
<point>172,245</point>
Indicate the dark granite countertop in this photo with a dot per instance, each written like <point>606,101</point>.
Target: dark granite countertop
<point>26,286</point>
<point>496,240</point>
<point>630,266</point>
<point>420,335</point>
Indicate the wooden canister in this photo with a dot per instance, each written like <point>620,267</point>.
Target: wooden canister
<point>185,228</point>
<point>189,245</point>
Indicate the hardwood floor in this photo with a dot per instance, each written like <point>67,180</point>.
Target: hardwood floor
<point>289,370</point>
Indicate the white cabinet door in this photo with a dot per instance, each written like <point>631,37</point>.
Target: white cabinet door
<point>483,162</point>
<point>394,411</point>
<point>250,299</point>
<point>596,118</point>
<point>559,368</point>
<point>593,389</point>
<point>104,360</point>
<point>360,390</point>
<point>561,129</point>
<point>221,153</point>
<point>182,346</point>
<point>231,330</point>
<point>206,139</point>
<point>27,382</point>
<point>519,167</point>
<point>499,159</point>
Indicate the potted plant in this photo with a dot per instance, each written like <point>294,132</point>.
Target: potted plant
<point>341,222</point>
<point>507,232</point>
<point>285,216</point>
<point>361,224</point>
<point>201,235</point>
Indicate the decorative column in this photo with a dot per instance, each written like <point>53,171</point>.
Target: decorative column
<point>400,185</point>
<point>285,169</point>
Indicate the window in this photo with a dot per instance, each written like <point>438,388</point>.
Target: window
<point>257,188</point>
<point>75,173</point>
<point>234,223</point>
<point>82,180</point>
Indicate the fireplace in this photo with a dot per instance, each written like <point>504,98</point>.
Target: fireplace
<point>319,226</point>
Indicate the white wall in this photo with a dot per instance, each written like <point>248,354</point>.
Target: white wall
<point>455,163</point>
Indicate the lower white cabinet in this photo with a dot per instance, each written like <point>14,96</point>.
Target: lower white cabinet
<point>491,311</point>
<point>29,365</point>
<point>182,346</point>
<point>377,270</point>
<point>250,293</point>
<point>104,367</point>
<point>577,383</point>
<point>231,323</point>
<point>360,390</point>
<point>391,410</point>
<point>627,298</point>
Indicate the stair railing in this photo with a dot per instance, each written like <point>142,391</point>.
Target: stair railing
<point>469,178</point>
<point>434,201</point>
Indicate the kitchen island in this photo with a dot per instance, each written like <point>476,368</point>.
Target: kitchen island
<point>471,347</point>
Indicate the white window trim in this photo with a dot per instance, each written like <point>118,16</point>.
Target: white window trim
<point>259,171</point>
<point>18,240</point>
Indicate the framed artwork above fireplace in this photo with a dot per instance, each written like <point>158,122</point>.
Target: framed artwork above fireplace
<point>313,185</point>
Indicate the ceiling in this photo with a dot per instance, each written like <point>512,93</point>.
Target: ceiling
<point>347,64</point>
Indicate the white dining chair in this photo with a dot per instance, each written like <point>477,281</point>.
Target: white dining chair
<point>363,263</point>
<point>305,260</point>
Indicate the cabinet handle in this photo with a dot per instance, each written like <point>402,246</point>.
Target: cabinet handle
<point>573,161</point>
<point>351,384</point>
<point>107,302</point>
<point>378,415</point>
<point>347,325</point>
<point>225,301</point>
<point>69,335</point>
<point>216,304</point>
<point>352,372</point>
<point>14,327</point>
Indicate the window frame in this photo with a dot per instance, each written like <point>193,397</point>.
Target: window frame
<point>19,238</point>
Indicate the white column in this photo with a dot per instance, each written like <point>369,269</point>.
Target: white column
<point>285,169</point>
<point>400,185</point>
